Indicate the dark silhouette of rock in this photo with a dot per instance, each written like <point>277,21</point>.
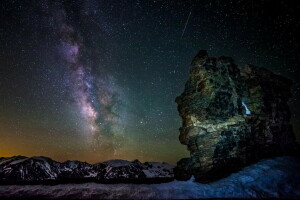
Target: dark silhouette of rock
<point>232,117</point>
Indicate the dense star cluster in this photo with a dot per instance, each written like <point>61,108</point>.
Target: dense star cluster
<point>96,80</point>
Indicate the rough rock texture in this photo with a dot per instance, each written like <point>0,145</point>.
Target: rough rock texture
<point>231,117</point>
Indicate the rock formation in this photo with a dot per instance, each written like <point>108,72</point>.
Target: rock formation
<point>231,117</point>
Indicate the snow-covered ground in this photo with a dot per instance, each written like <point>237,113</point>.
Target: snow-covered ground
<point>277,177</point>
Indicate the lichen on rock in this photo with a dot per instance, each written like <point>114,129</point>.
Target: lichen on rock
<point>231,117</point>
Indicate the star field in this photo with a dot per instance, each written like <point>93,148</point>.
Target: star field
<point>96,80</point>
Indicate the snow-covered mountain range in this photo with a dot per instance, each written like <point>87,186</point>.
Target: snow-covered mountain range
<point>33,170</point>
<point>269,178</point>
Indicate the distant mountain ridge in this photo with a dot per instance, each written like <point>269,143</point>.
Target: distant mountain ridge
<point>44,170</point>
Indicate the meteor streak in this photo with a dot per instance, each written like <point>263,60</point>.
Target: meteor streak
<point>186,23</point>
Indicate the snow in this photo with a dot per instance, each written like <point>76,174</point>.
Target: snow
<point>117,163</point>
<point>17,161</point>
<point>277,177</point>
<point>157,169</point>
<point>91,174</point>
<point>248,112</point>
<point>5,160</point>
<point>150,173</point>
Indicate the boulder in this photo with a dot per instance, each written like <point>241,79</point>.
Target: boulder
<point>232,117</point>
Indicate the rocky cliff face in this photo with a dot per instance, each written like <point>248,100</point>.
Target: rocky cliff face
<point>231,117</point>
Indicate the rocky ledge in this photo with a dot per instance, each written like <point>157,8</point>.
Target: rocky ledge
<point>232,117</point>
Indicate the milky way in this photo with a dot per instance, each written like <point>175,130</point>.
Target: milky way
<point>97,97</point>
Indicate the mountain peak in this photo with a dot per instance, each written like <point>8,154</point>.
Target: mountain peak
<point>40,169</point>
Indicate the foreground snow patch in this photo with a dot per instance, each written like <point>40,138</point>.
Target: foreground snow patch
<point>277,177</point>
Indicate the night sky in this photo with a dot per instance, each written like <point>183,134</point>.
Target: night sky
<point>96,80</point>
